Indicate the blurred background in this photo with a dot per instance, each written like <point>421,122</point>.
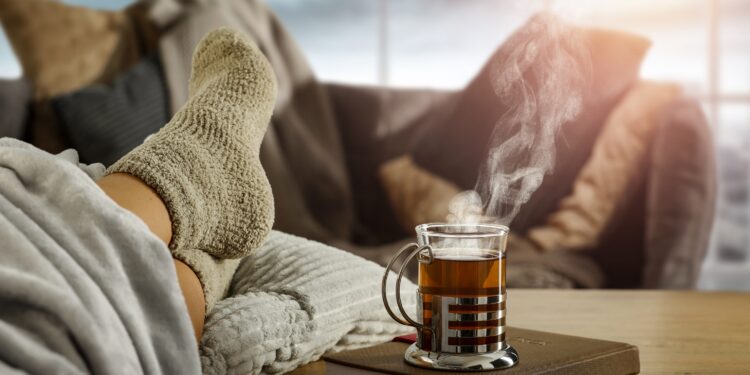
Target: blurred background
<point>702,44</point>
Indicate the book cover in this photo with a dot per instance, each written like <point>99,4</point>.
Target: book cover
<point>539,352</point>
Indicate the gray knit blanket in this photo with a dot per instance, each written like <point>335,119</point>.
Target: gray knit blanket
<point>293,300</point>
<point>85,287</point>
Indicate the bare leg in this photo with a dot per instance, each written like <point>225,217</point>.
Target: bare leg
<point>133,195</point>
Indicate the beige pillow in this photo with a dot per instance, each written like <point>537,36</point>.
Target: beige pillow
<point>416,195</point>
<point>63,48</point>
<point>612,174</point>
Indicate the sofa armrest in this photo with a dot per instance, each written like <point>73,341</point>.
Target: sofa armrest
<point>681,198</point>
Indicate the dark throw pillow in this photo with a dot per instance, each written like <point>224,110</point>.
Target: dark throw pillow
<point>615,62</point>
<point>104,123</point>
<point>15,98</point>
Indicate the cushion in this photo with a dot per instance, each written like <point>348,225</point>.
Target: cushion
<point>104,123</point>
<point>291,301</point>
<point>615,170</point>
<point>615,60</point>
<point>416,195</point>
<point>63,47</point>
<point>15,96</point>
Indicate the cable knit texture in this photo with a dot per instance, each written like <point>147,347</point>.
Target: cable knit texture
<point>293,300</point>
<point>205,162</point>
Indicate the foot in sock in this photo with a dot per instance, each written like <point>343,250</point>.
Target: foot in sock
<point>205,164</point>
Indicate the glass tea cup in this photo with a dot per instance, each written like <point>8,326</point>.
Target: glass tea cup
<point>460,298</point>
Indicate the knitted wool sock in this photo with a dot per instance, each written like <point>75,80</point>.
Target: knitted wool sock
<point>205,162</point>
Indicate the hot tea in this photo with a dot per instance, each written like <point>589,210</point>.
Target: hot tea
<point>460,297</point>
<point>473,280</point>
<point>463,272</point>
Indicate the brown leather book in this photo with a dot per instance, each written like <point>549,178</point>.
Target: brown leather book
<point>539,352</point>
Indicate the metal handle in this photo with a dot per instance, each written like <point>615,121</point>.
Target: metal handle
<point>415,249</point>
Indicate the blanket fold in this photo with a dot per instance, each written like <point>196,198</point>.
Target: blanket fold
<point>85,287</point>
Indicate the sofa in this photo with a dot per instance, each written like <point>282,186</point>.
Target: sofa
<point>328,144</point>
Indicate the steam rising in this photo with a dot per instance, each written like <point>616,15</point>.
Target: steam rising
<point>542,81</point>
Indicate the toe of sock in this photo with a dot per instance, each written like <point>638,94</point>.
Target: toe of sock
<point>231,54</point>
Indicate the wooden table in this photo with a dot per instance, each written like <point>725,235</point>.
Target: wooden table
<point>676,332</point>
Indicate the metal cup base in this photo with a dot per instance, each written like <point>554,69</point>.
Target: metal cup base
<point>504,358</point>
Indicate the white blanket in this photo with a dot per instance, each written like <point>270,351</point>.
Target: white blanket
<point>293,300</point>
<point>85,287</point>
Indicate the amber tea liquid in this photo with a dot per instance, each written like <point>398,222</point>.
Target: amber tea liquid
<point>463,273</point>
